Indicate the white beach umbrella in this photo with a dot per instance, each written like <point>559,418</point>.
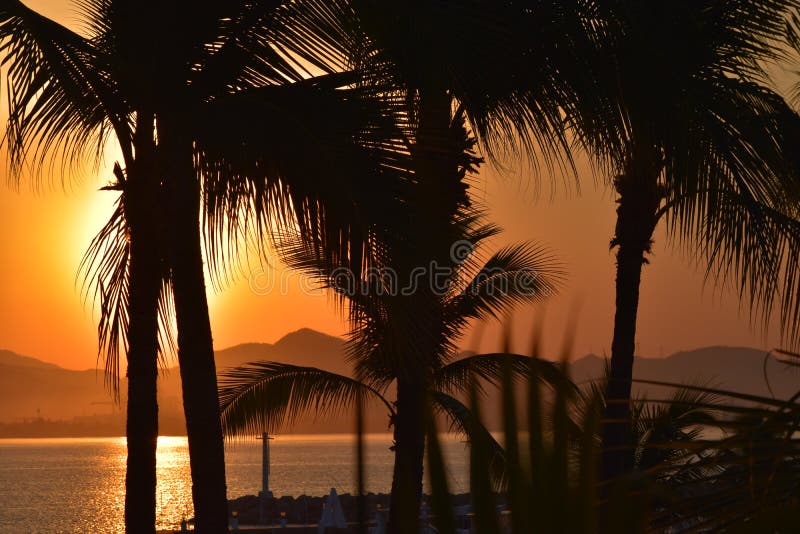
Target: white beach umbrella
<point>332,514</point>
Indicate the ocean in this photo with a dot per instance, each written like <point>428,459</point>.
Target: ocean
<point>77,485</point>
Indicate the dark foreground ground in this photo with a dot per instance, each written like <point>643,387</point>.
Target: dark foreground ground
<point>302,513</point>
<point>307,510</point>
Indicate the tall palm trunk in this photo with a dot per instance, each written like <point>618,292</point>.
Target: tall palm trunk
<point>639,197</point>
<point>145,286</point>
<point>409,450</point>
<point>195,344</point>
<point>439,194</point>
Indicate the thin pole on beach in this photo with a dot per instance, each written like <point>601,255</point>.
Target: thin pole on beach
<point>361,504</point>
<point>265,493</point>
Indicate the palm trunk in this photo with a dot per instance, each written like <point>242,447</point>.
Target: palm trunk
<point>409,450</point>
<point>195,344</point>
<point>142,423</point>
<point>637,214</point>
<point>617,457</point>
<point>441,191</point>
<point>144,290</point>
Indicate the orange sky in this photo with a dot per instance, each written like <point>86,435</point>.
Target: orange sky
<point>46,232</point>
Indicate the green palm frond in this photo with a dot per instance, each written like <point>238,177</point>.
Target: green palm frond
<point>263,396</point>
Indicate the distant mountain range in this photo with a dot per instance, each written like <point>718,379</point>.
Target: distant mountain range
<point>43,399</point>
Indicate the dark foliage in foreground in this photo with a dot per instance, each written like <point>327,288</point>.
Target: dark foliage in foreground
<point>706,460</point>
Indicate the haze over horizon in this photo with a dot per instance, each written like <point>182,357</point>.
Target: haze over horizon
<point>41,400</point>
<point>43,315</point>
<point>304,332</point>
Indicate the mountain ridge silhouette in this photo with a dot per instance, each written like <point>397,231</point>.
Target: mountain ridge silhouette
<point>31,388</point>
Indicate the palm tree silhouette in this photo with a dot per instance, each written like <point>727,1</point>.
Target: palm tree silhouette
<point>696,139</point>
<point>407,315</point>
<point>512,89</point>
<point>273,395</point>
<point>61,73</point>
<point>223,67</point>
<point>659,427</point>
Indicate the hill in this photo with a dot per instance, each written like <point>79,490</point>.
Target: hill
<point>12,358</point>
<point>303,347</point>
<point>31,390</point>
<point>738,369</point>
<point>38,397</point>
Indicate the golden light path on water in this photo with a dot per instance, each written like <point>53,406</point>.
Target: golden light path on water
<point>77,485</point>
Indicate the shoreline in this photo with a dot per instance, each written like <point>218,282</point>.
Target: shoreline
<point>307,509</point>
<point>302,513</point>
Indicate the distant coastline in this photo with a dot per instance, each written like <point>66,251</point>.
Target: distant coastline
<point>41,400</point>
<point>92,426</point>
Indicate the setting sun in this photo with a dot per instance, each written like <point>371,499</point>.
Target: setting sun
<point>509,267</point>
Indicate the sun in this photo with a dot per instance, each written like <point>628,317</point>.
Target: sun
<point>93,206</point>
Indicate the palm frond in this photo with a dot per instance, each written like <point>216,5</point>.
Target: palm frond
<point>271,165</point>
<point>753,247</point>
<point>463,421</point>
<point>518,98</point>
<point>514,275</point>
<point>104,269</point>
<point>456,375</point>
<point>105,273</point>
<point>266,396</point>
<point>60,102</point>
<point>660,427</point>
<point>725,139</point>
<point>789,358</point>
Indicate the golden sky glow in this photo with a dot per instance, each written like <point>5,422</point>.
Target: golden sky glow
<point>44,235</point>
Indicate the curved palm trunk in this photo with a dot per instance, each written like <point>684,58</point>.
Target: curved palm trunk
<point>144,291</point>
<point>637,214</point>
<point>409,450</point>
<point>195,344</point>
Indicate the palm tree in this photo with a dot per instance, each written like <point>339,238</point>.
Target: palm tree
<point>405,323</point>
<point>213,146</point>
<point>66,89</point>
<point>266,395</point>
<point>511,86</point>
<point>696,139</point>
<point>659,428</point>
<point>128,253</point>
<point>691,479</point>
<point>62,73</point>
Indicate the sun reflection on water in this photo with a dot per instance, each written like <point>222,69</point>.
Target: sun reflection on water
<point>77,485</point>
<point>174,490</point>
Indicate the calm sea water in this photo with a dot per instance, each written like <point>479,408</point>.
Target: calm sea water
<point>77,485</point>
